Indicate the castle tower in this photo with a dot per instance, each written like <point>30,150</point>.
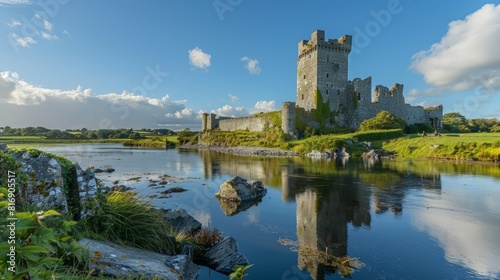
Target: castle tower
<point>204,118</point>
<point>288,117</point>
<point>322,65</point>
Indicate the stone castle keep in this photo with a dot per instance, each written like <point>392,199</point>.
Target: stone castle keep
<point>322,68</point>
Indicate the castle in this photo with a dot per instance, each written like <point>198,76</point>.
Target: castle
<point>322,68</point>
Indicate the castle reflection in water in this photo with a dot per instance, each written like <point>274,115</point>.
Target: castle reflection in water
<point>329,195</point>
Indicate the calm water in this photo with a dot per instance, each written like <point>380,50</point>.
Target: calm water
<point>401,219</point>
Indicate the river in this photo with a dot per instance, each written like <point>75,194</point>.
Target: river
<point>402,219</point>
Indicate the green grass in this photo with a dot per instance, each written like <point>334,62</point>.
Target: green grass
<point>29,141</point>
<point>481,146</point>
<point>271,138</point>
<point>152,142</point>
<point>125,218</point>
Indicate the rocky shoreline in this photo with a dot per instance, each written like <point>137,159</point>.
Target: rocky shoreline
<point>244,150</point>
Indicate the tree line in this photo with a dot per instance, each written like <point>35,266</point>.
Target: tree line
<point>453,122</point>
<point>120,133</point>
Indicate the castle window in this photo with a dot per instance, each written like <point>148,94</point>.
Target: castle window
<point>302,96</point>
<point>326,91</point>
<point>359,97</point>
<point>338,92</point>
<point>327,75</point>
<point>327,58</point>
<point>304,77</point>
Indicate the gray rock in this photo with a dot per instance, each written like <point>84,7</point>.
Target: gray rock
<point>238,189</point>
<point>224,255</point>
<point>115,260</point>
<point>45,187</point>
<point>317,154</point>
<point>180,220</point>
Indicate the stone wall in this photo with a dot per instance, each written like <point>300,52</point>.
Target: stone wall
<point>248,123</point>
<point>47,188</point>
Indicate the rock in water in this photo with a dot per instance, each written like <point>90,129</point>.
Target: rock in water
<point>115,260</point>
<point>223,256</point>
<point>238,189</point>
<point>180,220</point>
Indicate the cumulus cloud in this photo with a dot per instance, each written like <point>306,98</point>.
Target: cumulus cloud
<point>236,112</point>
<point>264,106</point>
<point>230,111</point>
<point>467,56</point>
<point>23,104</point>
<point>252,65</point>
<point>199,59</point>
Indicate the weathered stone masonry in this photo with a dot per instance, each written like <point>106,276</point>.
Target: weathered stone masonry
<point>322,66</point>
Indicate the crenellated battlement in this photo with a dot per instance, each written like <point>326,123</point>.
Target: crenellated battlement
<point>317,41</point>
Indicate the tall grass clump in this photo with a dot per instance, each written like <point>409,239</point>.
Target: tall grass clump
<point>125,218</point>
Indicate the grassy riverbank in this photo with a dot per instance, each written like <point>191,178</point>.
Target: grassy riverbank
<point>466,146</point>
<point>32,141</point>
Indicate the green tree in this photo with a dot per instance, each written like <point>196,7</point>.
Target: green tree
<point>455,122</point>
<point>383,120</point>
<point>184,136</point>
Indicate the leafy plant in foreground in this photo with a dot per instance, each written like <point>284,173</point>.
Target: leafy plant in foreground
<point>39,250</point>
<point>239,272</point>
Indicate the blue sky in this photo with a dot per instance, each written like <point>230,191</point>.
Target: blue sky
<point>134,64</point>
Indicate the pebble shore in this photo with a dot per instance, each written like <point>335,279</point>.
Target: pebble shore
<point>245,151</point>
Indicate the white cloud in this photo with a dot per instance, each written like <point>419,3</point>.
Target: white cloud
<point>252,65</point>
<point>266,105</point>
<point>47,25</point>
<point>236,112</point>
<point>48,36</point>
<point>199,59</point>
<point>66,32</point>
<point>22,104</point>
<point>230,111</point>
<point>467,56</point>
<point>14,2</point>
<point>233,98</point>
<point>23,41</point>
<point>14,23</point>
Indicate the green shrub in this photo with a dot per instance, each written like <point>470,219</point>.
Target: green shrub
<point>383,120</point>
<point>125,218</point>
<point>418,128</point>
<point>378,135</point>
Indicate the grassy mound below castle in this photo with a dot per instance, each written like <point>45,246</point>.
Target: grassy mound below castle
<point>466,146</point>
